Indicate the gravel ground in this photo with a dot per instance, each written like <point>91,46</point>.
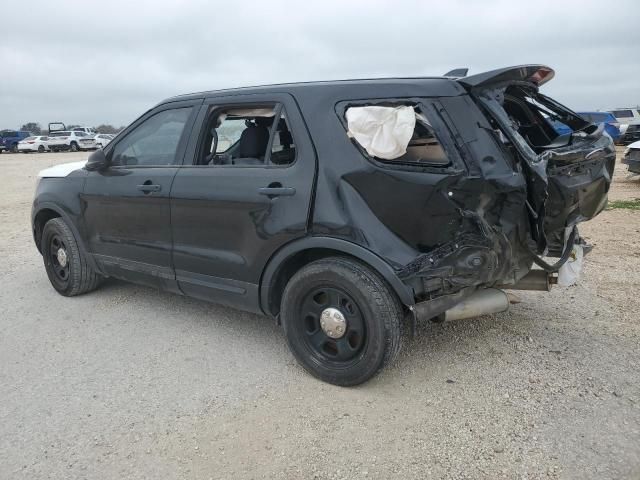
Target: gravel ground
<point>127,382</point>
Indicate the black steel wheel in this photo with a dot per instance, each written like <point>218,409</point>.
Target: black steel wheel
<point>66,265</point>
<point>58,260</point>
<point>342,320</point>
<point>333,326</point>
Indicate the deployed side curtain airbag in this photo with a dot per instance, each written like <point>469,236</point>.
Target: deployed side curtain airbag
<point>384,132</point>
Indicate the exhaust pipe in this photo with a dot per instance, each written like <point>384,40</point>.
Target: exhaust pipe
<point>482,302</point>
<point>459,306</point>
<point>534,280</point>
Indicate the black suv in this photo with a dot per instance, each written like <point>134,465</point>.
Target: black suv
<point>338,208</point>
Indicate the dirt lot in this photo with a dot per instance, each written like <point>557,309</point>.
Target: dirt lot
<point>127,382</point>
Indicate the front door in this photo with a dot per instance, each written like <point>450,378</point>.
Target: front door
<point>246,193</point>
<point>127,211</point>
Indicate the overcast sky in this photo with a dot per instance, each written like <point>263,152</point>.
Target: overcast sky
<point>107,62</point>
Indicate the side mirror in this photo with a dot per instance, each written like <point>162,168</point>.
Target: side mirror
<point>97,161</point>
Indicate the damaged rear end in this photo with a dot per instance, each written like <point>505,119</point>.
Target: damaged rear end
<point>508,217</point>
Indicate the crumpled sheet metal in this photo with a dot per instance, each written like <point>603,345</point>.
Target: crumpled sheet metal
<point>384,132</point>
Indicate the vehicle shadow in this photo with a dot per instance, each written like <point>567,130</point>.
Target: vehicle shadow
<point>435,346</point>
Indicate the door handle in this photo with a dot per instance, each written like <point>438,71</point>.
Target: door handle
<point>149,187</point>
<point>274,191</point>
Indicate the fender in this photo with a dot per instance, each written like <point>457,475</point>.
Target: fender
<point>404,292</point>
<point>67,218</point>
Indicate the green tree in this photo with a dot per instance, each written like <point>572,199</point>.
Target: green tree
<point>105,128</point>
<point>32,127</point>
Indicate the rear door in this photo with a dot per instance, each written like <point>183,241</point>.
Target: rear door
<point>126,206</point>
<point>229,218</point>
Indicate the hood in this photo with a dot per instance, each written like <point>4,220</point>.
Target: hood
<point>535,74</point>
<point>62,170</point>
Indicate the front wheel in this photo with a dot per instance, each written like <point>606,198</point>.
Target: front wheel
<point>73,147</point>
<point>41,149</point>
<point>341,320</point>
<point>66,265</point>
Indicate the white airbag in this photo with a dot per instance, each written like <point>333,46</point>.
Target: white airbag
<point>384,132</point>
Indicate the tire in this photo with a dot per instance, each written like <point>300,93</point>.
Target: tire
<point>70,274</point>
<point>342,353</point>
<point>14,148</point>
<point>41,149</point>
<point>73,147</point>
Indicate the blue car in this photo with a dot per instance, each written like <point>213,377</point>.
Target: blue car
<point>9,139</point>
<point>611,124</point>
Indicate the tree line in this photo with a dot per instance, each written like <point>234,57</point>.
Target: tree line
<point>36,129</point>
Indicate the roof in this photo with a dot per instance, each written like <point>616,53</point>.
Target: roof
<point>391,87</point>
<point>442,86</point>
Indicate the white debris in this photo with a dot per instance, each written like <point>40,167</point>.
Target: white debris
<point>569,273</point>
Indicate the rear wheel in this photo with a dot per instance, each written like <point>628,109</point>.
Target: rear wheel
<point>341,320</point>
<point>73,147</point>
<point>66,266</point>
<point>41,149</point>
<point>14,148</point>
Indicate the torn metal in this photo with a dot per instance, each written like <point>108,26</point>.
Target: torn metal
<point>526,191</point>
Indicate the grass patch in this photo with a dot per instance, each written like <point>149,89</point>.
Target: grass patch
<point>628,204</point>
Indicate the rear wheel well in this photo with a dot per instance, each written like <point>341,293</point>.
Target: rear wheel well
<point>294,263</point>
<point>42,217</point>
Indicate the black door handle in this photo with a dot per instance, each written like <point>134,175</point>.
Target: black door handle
<point>277,191</point>
<point>149,187</point>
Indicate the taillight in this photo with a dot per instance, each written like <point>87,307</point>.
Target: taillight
<point>542,75</point>
<point>31,142</point>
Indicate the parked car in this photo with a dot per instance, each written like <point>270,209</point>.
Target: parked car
<point>611,123</point>
<point>337,208</point>
<point>631,157</point>
<point>103,139</point>
<point>61,127</point>
<point>629,119</point>
<point>33,144</point>
<point>87,130</point>
<point>66,140</point>
<point>9,139</point>
<point>97,141</point>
